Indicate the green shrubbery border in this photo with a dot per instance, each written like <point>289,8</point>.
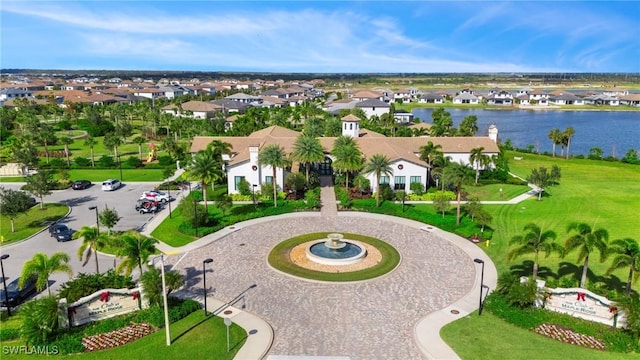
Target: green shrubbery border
<point>279,259</point>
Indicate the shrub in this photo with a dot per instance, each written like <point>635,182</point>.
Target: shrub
<point>40,322</point>
<point>244,188</point>
<point>55,163</point>
<point>312,198</point>
<point>194,215</point>
<point>9,334</point>
<point>105,162</point>
<point>165,160</point>
<point>81,162</point>
<point>385,192</point>
<point>87,284</point>
<point>417,188</point>
<point>132,162</point>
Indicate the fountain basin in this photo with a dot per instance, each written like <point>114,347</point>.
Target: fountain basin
<point>349,252</point>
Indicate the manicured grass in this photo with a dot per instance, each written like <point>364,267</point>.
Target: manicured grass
<point>11,179</point>
<point>279,259</point>
<point>491,192</point>
<point>99,175</point>
<point>489,337</point>
<point>31,222</point>
<point>194,337</point>
<point>602,194</point>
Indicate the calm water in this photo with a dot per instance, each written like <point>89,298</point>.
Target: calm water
<point>614,132</point>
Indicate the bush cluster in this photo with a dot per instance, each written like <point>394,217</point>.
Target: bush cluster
<point>87,284</point>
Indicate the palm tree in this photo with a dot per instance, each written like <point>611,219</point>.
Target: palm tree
<point>112,141</point>
<point>378,165</point>
<point>587,241</point>
<point>458,174</point>
<point>555,136</point>
<point>206,168</point>
<point>429,153</point>
<point>275,156</point>
<point>628,254</point>
<point>139,140</point>
<point>348,156</point>
<point>91,142</point>
<point>307,149</point>
<point>66,141</point>
<point>43,267</point>
<point>136,249</point>
<point>534,241</point>
<point>568,134</point>
<point>90,244</point>
<point>478,159</point>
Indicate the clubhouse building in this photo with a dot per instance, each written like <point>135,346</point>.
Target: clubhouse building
<point>403,153</point>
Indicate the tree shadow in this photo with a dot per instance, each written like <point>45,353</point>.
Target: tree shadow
<point>526,269</point>
<point>76,201</point>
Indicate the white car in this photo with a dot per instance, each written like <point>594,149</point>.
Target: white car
<point>156,195</point>
<point>111,184</point>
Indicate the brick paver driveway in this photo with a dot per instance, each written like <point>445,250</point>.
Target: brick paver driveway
<point>366,320</point>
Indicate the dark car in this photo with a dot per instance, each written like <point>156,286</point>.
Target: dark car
<point>60,232</point>
<point>81,184</point>
<point>16,295</point>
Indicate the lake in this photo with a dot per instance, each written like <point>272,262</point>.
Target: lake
<point>615,132</point>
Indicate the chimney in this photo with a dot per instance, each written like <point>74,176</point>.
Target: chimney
<point>493,133</point>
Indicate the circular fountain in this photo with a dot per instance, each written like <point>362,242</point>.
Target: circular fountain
<point>336,251</point>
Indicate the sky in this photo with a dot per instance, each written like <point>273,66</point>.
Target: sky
<point>322,36</point>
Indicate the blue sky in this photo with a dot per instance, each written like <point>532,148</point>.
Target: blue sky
<point>322,36</point>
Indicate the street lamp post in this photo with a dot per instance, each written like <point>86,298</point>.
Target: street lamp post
<point>4,282</point>
<point>164,298</point>
<point>120,164</point>
<point>254,196</point>
<point>97,217</point>
<point>204,281</point>
<point>169,202</point>
<point>479,261</point>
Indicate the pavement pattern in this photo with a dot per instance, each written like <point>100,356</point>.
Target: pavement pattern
<point>373,319</point>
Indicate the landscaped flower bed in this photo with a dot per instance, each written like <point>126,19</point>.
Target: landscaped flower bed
<point>116,338</point>
<point>568,336</point>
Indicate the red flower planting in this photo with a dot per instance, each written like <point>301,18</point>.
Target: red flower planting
<point>568,336</point>
<point>116,338</point>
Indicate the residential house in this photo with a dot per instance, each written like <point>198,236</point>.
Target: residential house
<point>465,98</point>
<point>431,98</point>
<point>373,107</point>
<point>193,109</point>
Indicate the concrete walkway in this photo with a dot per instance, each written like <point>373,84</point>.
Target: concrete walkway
<point>260,340</point>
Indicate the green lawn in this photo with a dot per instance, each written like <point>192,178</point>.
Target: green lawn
<point>31,222</point>
<point>603,194</point>
<point>194,337</point>
<point>489,337</point>
<point>491,192</point>
<point>99,175</point>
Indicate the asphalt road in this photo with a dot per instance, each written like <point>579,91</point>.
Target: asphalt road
<point>122,200</point>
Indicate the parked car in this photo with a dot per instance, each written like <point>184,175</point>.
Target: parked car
<point>111,184</point>
<point>60,232</point>
<point>15,295</point>
<point>145,206</point>
<point>81,184</point>
<point>156,195</point>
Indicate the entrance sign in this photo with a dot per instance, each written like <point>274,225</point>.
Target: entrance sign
<point>583,304</point>
<point>104,304</point>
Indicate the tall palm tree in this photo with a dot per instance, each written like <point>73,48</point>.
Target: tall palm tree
<point>438,165</point>
<point>348,156</point>
<point>91,142</point>
<point>307,149</point>
<point>66,141</point>
<point>206,168</point>
<point>627,254</point>
<point>568,135</point>
<point>273,155</point>
<point>136,250</point>
<point>478,159</point>
<point>458,174</point>
<point>113,141</point>
<point>534,241</point>
<point>428,154</point>
<point>555,136</point>
<point>90,244</point>
<point>43,267</point>
<point>139,140</point>
<point>587,240</point>
<point>378,165</point>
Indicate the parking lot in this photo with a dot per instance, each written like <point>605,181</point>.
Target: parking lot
<point>122,200</point>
